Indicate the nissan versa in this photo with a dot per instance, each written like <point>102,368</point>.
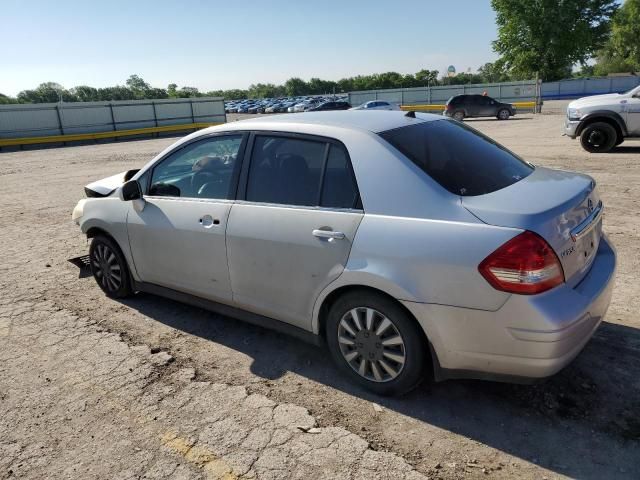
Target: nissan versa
<point>404,241</point>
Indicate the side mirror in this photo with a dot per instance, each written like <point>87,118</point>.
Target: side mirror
<point>131,191</point>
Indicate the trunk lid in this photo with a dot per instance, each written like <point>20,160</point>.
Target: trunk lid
<point>564,208</point>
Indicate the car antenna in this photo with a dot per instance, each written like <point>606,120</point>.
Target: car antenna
<point>410,114</point>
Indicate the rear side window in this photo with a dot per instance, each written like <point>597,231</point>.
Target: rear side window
<point>459,158</point>
<point>294,171</point>
<point>339,187</point>
<point>286,171</point>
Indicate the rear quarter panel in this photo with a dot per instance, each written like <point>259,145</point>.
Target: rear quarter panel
<point>425,261</point>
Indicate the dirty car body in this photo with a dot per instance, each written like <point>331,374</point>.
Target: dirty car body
<point>396,238</point>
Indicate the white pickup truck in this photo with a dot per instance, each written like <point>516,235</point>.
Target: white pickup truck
<point>604,121</point>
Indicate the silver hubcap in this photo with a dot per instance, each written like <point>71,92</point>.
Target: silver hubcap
<point>371,344</point>
<point>458,116</point>
<point>106,268</point>
<point>504,114</point>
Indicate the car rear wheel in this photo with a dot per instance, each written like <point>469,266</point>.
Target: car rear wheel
<point>376,343</point>
<point>458,115</point>
<point>109,267</point>
<point>598,137</point>
<point>503,114</point>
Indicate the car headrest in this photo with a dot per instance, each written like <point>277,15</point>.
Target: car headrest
<point>295,165</point>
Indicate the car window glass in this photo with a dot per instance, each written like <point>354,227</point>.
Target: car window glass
<point>285,171</point>
<point>459,158</point>
<point>338,187</point>
<point>201,170</point>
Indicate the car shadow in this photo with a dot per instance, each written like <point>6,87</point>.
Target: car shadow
<point>626,149</point>
<point>578,423</point>
<point>491,119</point>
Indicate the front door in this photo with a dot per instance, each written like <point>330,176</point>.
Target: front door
<point>178,239</point>
<point>632,110</point>
<point>292,234</point>
<point>486,106</point>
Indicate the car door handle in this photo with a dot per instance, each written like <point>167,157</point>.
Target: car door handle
<point>208,221</point>
<point>328,234</point>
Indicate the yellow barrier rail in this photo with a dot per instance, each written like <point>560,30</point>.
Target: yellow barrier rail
<point>5,142</point>
<point>434,107</point>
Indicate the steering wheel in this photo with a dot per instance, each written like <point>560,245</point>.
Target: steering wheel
<point>198,179</point>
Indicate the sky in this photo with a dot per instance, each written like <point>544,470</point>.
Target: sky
<point>215,44</point>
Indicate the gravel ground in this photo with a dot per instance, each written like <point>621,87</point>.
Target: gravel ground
<point>149,388</point>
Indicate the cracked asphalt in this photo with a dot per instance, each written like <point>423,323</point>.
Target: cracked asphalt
<point>149,388</point>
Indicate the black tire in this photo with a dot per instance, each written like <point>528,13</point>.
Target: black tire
<point>409,373</point>
<point>598,137</point>
<point>503,114</point>
<point>105,256</point>
<point>459,115</point>
<point>619,140</point>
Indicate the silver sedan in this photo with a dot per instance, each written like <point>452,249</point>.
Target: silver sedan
<point>408,243</point>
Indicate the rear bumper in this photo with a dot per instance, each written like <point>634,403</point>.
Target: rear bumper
<point>529,337</point>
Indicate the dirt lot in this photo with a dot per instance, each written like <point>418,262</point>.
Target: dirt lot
<point>148,388</point>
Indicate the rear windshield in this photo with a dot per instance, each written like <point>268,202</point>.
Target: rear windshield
<point>459,158</point>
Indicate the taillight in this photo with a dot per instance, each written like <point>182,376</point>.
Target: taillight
<point>449,107</point>
<point>526,264</point>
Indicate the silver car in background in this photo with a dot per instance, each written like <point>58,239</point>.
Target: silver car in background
<point>407,242</point>
<point>377,105</point>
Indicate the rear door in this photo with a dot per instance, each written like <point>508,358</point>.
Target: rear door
<point>290,232</point>
<point>474,105</point>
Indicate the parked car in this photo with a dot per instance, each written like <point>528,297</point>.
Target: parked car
<point>403,241</point>
<point>331,106</point>
<point>377,105</point>
<point>604,121</point>
<point>463,106</point>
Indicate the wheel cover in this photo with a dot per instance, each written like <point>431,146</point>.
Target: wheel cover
<point>458,115</point>
<point>503,114</point>
<point>106,268</point>
<point>371,344</point>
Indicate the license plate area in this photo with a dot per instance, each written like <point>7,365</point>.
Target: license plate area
<point>587,244</point>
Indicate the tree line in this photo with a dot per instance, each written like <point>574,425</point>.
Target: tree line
<point>136,88</point>
<point>543,38</point>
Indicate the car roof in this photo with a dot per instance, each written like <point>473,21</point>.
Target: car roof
<point>372,121</point>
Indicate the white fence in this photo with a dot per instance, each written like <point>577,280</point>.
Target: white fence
<point>582,87</point>
<point>524,91</point>
<point>47,119</point>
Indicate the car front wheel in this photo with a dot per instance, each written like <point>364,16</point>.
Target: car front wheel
<point>376,343</point>
<point>503,114</point>
<point>109,267</point>
<point>598,137</point>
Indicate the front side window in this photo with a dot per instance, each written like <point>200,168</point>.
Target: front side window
<point>459,158</point>
<point>286,171</point>
<point>204,169</point>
